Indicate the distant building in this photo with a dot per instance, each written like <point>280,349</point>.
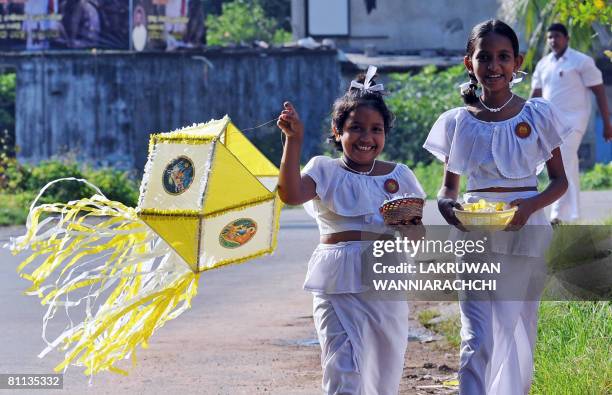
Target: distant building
<point>398,26</point>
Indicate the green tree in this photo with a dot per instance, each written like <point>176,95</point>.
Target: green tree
<point>280,10</point>
<point>584,19</point>
<point>243,21</point>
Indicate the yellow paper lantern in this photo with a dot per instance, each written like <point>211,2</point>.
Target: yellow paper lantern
<point>208,198</point>
<point>210,194</point>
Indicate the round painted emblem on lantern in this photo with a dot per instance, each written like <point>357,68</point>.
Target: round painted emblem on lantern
<point>178,175</point>
<point>237,233</point>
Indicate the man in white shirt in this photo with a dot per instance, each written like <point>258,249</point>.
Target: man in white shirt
<point>565,77</point>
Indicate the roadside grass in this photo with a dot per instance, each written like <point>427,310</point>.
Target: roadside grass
<point>448,328</point>
<point>427,315</point>
<point>573,350</point>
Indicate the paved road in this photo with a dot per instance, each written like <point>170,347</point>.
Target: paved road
<point>243,334</point>
<point>240,337</point>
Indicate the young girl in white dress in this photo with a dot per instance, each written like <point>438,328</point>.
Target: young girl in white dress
<point>497,141</point>
<point>363,338</point>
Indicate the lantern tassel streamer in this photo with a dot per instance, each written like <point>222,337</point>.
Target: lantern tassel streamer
<point>97,254</point>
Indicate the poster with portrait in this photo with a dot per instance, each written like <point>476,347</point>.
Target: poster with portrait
<point>28,24</point>
<point>167,25</point>
<point>34,25</point>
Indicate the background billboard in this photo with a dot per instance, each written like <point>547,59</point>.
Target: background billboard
<point>32,25</point>
<point>167,24</point>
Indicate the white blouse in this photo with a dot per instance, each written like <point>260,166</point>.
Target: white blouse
<point>350,201</point>
<point>493,153</point>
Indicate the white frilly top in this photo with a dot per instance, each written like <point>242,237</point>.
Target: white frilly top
<point>350,201</point>
<point>491,154</point>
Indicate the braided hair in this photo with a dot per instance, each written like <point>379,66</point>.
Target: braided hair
<point>469,94</point>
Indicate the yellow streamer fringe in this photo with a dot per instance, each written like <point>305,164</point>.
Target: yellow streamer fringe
<point>97,253</point>
<point>81,260</point>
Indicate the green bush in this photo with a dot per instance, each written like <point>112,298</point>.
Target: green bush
<point>115,184</point>
<point>7,101</point>
<point>19,185</point>
<point>417,101</point>
<point>7,116</point>
<point>243,21</point>
<point>14,207</point>
<point>430,177</point>
<point>599,177</point>
<point>38,176</point>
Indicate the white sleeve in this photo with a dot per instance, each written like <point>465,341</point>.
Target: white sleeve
<point>315,169</point>
<point>590,74</point>
<point>440,136</point>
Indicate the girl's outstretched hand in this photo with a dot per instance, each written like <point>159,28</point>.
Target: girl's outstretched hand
<point>525,209</point>
<point>289,122</point>
<point>446,205</point>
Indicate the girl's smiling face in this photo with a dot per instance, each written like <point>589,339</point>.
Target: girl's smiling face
<point>363,136</point>
<point>493,62</point>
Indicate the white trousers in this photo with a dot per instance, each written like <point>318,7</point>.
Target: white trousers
<point>567,207</point>
<point>498,336</point>
<point>363,342</point>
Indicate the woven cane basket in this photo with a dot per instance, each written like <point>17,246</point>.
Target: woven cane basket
<point>402,211</point>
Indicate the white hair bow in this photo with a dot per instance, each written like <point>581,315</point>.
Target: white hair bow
<point>367,84</point>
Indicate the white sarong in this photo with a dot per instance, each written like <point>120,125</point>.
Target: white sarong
<point>363,339</point>
<point>498,335</point>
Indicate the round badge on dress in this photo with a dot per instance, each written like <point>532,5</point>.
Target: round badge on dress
<point>391,185</point>
<point>523,130</point>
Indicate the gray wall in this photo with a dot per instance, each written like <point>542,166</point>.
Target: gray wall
<point>406,25</point>
<point>102,107</point>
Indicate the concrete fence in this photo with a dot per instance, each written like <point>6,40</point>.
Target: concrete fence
<point>102,106</point>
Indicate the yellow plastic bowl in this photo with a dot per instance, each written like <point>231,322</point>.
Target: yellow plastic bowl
<point>479,220</point>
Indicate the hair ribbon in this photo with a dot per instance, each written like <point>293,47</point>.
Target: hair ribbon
<point>367,84</point>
